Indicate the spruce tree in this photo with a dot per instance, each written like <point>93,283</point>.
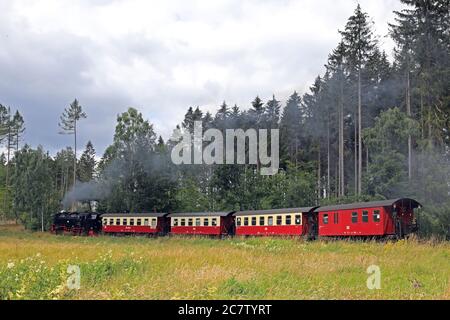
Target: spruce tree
<point>87,164</point>
<point>336,66</point>
<point>69,125</point>
<point>359,41</point>
<point>290,126</point>
<point>272,111</point>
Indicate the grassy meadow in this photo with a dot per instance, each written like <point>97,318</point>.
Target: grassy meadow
<point>34,266</point>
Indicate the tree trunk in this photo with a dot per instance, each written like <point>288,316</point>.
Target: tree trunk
<point>337,183</point>
<point>319,173</point>
<point>359,133</point>
<point>338,168</point>
<point>341,142</point>
<point>356,157</point>
<point>66,180</point>
<point>367,159</point>
<point>17,139</point>
<point>422,116</point>
<point>74,161</point>
<point>9,142</point>
<point>430,131</point>
<point>42,219</point>
<point>408,112</point>
<point>328,157</point>
<point>75,157</point>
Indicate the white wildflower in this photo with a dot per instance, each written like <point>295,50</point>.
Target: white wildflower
<point>10,265</point>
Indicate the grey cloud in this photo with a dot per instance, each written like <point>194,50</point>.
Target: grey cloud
<point>41,72</point>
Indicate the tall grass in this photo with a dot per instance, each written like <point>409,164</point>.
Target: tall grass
<point>34,266</point>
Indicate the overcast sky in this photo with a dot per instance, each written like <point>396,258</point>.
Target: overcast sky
<point>161,57</point>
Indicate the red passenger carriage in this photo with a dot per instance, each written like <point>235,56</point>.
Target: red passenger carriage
<point>202,223</point>
<point>377,218</point>
<point>276,222</point>
<point>135,223</point>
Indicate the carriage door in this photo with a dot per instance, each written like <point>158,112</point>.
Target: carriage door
<point>396,215</point>
<point>313,229</point>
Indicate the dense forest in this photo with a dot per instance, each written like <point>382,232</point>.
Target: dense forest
<point>368,128</point>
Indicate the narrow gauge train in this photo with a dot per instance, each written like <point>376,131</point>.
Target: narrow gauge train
<point>388,218</point>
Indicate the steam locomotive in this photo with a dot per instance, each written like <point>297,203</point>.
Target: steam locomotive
<point>395,218</point>
<point>77,224</point>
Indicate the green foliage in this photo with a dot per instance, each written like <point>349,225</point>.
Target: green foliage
<point>34,190</point>
<point>388,171</point>
<point>137,169</point>
<point>63,167</point>
<point>6,205</point>
<point>70,116</point>
<point>33,278</point>
<point>190,198</point>
<point>87,164</point>
<point>290,129</point>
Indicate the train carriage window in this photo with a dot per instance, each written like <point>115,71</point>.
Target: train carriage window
<point>125,222</point>
<point>246,221</point>
<point>354,217</point>
<point>183,222</point>
<point>253,221</point>
<point>298,219</point>
<point>376,216</point>
<point>214,222</point>
<point>131,222</point>
<point>288,220</point>
<point>325,218</point>
<point>365,216</point>
<point>198,222</point>
<point>154,222</point>
<point>105,222</point>
<point>270,221</point>
<point>190,222</point>
<point>261,221</point>
<point>279,220</point>
<point>139,222</point>
<point>238,222</point>
<point>146,222</point>
<point>175,222</point>
<point>111,222</point>
<point>206,222</point>
<point>117,222</point>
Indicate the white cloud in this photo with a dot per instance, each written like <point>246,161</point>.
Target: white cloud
<point>161,57</point>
